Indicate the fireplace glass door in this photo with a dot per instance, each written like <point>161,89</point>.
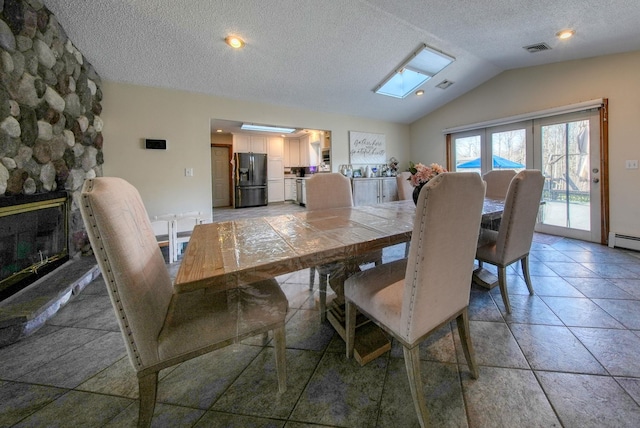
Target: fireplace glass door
<point>33,241</point>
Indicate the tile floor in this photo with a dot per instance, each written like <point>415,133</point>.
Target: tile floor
<point>568,356</point>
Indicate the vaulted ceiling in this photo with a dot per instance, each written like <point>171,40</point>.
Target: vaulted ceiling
<point>329,55</point>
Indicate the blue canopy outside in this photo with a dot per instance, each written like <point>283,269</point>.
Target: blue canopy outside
<point>498,162</point>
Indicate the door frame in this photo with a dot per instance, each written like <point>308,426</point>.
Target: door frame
<point>603,110</point>
<point>230,177</point>
<point>594,233</point>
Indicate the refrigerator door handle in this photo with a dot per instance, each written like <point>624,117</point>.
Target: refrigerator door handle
<point>251,169</point>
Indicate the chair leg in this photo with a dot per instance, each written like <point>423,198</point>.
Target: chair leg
<point>312,276</point>
<point>147,389</point>
<point>322,288</point>
<point>350,326</point>
<point>480,264</point>
<point>465,338</point>
<point>502,281</point>
<point>524,262</point>
<point>412,363</point>
<point>281,362</point>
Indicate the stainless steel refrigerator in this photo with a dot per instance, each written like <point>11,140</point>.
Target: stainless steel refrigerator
<point>250,179</point>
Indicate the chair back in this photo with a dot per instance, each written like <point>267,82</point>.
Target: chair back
<point>405,189</point>
<point>132,265</point>
<point>443,247</point>
<point>498,181</point>
<point>328,190</point>
<point>519,216</point>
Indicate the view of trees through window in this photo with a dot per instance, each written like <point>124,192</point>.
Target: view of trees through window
<point>565,158</point>
<point>467,148</point>
<point>509,145</point>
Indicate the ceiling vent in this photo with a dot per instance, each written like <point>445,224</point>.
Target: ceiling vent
<point>444,84</point>
<point>538,47</point>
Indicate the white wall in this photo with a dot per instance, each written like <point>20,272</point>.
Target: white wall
<point>132,113</point>
<point>537,88</point>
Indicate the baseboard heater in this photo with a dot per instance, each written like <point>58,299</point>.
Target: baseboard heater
<point>624,241</point>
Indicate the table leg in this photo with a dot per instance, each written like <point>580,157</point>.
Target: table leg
<point>484,278</point>
<point>370,341</point>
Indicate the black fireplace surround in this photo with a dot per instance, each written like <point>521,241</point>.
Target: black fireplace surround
<point>33,238</point>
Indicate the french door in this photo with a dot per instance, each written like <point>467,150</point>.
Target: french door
<point>566,148</point>
<point>569,158</point>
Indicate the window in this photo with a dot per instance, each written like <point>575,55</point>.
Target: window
<point>421,66</point>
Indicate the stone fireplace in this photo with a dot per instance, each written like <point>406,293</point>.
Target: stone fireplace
<point>50,140</point>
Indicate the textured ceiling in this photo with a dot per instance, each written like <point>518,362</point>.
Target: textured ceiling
<point>328,55</point>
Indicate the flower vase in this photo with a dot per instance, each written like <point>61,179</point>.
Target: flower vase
<point>416,192</point>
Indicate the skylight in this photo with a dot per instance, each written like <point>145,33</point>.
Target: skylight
<point>421,66</point>
<point>266,128</point>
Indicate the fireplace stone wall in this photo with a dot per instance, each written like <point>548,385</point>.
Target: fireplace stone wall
<point>50,105</point>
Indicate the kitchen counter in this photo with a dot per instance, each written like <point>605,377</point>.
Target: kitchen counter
<point>371,178</point>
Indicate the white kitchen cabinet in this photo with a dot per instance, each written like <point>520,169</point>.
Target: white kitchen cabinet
<point>275,147</point>
<point>305,149</point>
<point>275,168</point>
<point>365,191</point>
<point>285,155</point>
<point>289,189</point>
<point>244,143</point>
<point>241,143</point>
<point>275,190</point>
<point>370,191</point>
<point>389,189</point>
<point>292,152</point>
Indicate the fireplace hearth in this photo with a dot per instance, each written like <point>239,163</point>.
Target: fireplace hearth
<point>33,238</point>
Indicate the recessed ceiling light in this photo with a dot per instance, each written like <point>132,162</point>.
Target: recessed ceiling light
<point>218,130</point>
<point>565,34</point>
<point>419,92</point>
<point>234,41</point>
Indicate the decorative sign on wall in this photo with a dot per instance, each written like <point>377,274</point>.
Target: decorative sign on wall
<point>367,148</point>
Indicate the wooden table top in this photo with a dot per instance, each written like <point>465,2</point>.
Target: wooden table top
<point>232,253</point>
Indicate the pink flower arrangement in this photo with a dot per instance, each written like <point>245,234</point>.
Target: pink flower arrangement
<point>421,173</point>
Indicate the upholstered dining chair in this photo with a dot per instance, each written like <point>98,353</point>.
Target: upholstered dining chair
<point>498,181</point>
<point>324,191</point>
<point>161,328</point>
<point>405,192</point>
<point>405,189</point>
<point>497,186</point>
<point>411,298</point>
<point>512,241</point>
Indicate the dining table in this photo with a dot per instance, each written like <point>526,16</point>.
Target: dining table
<point>230,254</point>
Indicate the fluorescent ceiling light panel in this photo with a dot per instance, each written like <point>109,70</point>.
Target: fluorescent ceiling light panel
<point>421,66</point>
<point>266,128</point>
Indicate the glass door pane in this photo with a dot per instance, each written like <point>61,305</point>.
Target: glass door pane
<point>565,157</point>
<point>509,149</point>
<point>467,151</point>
